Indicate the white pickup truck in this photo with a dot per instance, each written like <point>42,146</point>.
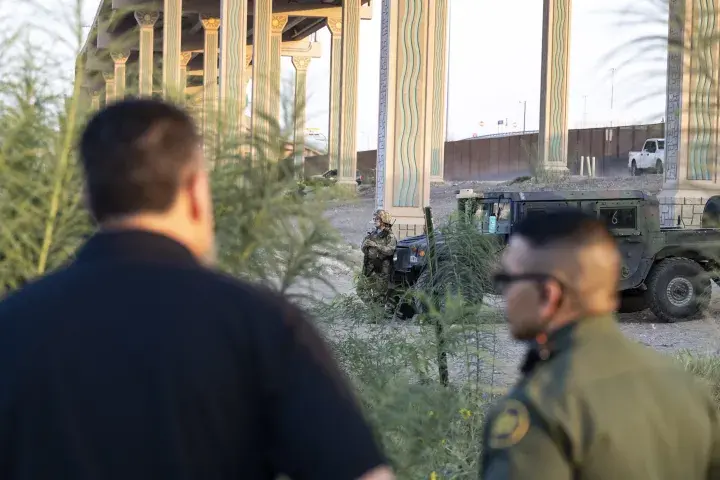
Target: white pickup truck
<point>652,157</point>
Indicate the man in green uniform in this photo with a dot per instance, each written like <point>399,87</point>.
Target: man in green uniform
<point>378,249</point>
<point>590,403</point>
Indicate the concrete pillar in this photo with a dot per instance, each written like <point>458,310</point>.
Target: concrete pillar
<point>233,18</point>
<point>109,87</point>
<point>95,100</point>
<point>301,67</point>
<point>172,50</point>
<point>553,138</point>
<point>691,128</point>
<point>349,93</point>
<point>407,85</point>
<point>335,27</point>
<point>262,60</point>
<point>211,26</point>
<point>440,56</point>
<point>146,20</point>
<point>185,58</point>
<point>278,25</point>
<point>246,80</point>
<point>120,63</point>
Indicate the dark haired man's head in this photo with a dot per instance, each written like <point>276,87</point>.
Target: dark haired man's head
<point>558,266</point>
<point>144,169</point>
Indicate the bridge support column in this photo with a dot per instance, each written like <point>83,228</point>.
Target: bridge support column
<point>146,20</point>
<point>301,67</point>
<point>109,87</point>
<point>172,51</point>
<point>233,18</point>
<point>185,58</point>
<point>553,138</point>
<point>120,67</point>
<point>440,55</point>
<point>278,25</point>
<point>262,61</point>
<point>347,145</point>
<point>691,128</point>
<point>335,27</point>
<point>95,100</point>
<point>407,82</point>
<point>211,27</point>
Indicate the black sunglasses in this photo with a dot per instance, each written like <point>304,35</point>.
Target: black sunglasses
<point>503,280</point>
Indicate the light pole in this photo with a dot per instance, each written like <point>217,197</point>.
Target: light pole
<point>316,134</point>
<point>524,104</point>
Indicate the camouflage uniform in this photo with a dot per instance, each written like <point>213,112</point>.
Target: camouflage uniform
<point>378,249</point>
<point>591,403</point>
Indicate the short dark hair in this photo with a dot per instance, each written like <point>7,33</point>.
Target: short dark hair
<point>134,153</point>
<point>573,225</point>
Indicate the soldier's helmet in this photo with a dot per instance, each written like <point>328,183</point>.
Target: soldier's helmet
<point>384,217</point>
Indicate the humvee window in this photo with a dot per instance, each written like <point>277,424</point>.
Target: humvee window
<point>615,218</point>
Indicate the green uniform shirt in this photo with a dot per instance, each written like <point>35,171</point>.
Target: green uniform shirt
<point>593,404</point>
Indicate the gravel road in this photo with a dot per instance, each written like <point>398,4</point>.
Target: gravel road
<point>697,336</point>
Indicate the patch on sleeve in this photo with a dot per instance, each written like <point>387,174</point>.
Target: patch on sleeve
<point>510,425</point>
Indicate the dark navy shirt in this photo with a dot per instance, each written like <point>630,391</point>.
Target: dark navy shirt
<point>135,362</point>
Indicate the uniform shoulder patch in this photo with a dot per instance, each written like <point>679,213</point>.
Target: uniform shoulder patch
<point>510,425</point>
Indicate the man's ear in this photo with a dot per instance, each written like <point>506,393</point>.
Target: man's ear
<point>194,185</point>
<point>551,296</point>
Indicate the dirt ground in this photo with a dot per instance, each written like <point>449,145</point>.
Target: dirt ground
<point>697,336</point>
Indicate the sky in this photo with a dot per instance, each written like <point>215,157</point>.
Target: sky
<point>494,65</point>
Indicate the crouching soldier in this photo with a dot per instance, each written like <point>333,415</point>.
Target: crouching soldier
<point>378,249</point>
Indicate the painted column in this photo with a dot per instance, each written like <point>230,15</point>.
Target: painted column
<point>349,93</point>
<point>691,128</point>
<point>185,58</point>
<point>120,64</point>
<point>246,80</point>
<point>278,25</point>
<point>262,60</point>
<point>301,67</point>
<point>407,77</point>
<point>172,50</point>
<point>95,100</point>
<point>246,126</point>
<point>146,20</point>
<point>109,87</point>
<point>439,93</point>
<point>233,18</point>
<point>553,138</point>
<point>335,27</point>
<point>211,25</point>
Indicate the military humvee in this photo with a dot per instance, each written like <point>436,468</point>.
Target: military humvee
<point>666,269</point>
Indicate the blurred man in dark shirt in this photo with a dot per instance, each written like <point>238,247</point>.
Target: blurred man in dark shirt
<point>138,361</point>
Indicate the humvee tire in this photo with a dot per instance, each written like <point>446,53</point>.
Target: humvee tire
<point>678,289</point>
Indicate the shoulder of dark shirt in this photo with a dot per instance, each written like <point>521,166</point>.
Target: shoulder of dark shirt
<point>234,293</point>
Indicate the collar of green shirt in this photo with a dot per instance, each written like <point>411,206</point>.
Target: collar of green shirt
<point>562,339</point>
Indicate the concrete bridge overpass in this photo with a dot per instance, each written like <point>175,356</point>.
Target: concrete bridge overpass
<point>130,41</point>
<point>216,46</point>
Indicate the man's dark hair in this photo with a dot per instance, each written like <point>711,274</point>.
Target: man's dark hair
<point>570,225</point>
<point>134,154</point>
